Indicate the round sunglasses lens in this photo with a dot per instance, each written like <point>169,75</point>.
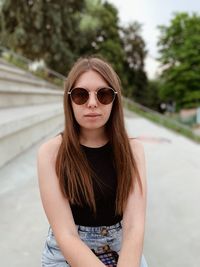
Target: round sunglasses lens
<point>79,96</point>
<point>105,95</point>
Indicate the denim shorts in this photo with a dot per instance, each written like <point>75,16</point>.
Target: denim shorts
<point>98,238</point>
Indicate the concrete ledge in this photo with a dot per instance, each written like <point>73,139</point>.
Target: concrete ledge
<point>14,95</point>
<point>9,68</point>
<point>30,108</point>
<point>22,127</point>
<point>5,76</point>
<point>9,72</point>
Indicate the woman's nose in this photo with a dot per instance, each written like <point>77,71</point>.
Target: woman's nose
<point>92,101</point>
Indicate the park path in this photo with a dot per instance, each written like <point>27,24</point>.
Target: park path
<point>172,227</point>
<point>172,233</point>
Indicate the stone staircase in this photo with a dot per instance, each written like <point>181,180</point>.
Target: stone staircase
<point>30,109</point>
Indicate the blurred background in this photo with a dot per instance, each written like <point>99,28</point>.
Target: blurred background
<point>155,49</point>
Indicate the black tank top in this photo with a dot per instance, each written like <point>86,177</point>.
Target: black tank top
<point>101,161</point>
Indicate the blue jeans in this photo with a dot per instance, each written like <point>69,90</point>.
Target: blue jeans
<point>97,238</point>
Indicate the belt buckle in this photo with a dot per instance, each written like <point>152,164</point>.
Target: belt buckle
<point>104,231</point>
<point>106,248</point>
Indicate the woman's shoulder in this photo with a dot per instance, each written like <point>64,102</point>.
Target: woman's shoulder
<point>134,141</point>
<point>49,148</point>
<point>137,147</point>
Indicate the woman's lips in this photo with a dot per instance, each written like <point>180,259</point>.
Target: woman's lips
<point>92,115</point>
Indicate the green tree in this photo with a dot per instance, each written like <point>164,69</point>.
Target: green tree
<point>135,53</point>
<point>179,45</point>
<point>110,46</point>
<point>100,33</point>
<point>44,29</point>
<point>153,99</point>
<point>60,31</point>
<point>124,47</point>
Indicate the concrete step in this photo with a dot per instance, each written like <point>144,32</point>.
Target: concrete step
<point>15,77</point>
<point>9,68</point>
<point>22,127</point>
<point>9,72</point>
<point>15,94</point>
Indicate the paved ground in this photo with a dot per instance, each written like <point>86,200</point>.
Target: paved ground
<point>173,217</point>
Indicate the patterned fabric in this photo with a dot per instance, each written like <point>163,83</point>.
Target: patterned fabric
<point>109,258</point>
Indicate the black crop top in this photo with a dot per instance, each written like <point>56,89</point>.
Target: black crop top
<point>100,159</point>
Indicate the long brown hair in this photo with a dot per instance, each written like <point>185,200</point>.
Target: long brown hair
<point>72,168</point>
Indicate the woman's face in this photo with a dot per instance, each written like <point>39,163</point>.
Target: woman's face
<point>91,81</point>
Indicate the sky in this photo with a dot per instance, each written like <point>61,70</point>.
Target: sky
<point>151,13</point>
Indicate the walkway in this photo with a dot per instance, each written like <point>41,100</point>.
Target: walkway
<point>173,218</point>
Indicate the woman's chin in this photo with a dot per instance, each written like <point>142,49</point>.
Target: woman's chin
<point>92,126</point>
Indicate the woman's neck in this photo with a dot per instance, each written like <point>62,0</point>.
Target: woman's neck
<point>93,138</point>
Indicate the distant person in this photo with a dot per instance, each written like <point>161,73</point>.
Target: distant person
<point>92,177</point>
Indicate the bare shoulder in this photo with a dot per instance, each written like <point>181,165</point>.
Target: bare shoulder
<point>49,148</point>
<point>139,155</point>
<point>137,149</point>
<point>136,144</point>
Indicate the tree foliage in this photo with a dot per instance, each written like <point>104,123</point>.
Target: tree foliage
<point>43,29</point>
<point>61,31</point>
<point>135,53</point>
<point>153,100</point>
<point>102,33</point>
<point>180,58</point>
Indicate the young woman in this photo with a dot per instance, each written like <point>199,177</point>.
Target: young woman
<point>92,177</point>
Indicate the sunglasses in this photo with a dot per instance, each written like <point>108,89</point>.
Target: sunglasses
<point>80,96</point>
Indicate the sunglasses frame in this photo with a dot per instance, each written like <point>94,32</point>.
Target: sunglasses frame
<point>96,92</point>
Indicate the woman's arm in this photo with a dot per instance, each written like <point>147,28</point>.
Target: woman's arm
<point>134,216</point>
<point>58,210</point>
